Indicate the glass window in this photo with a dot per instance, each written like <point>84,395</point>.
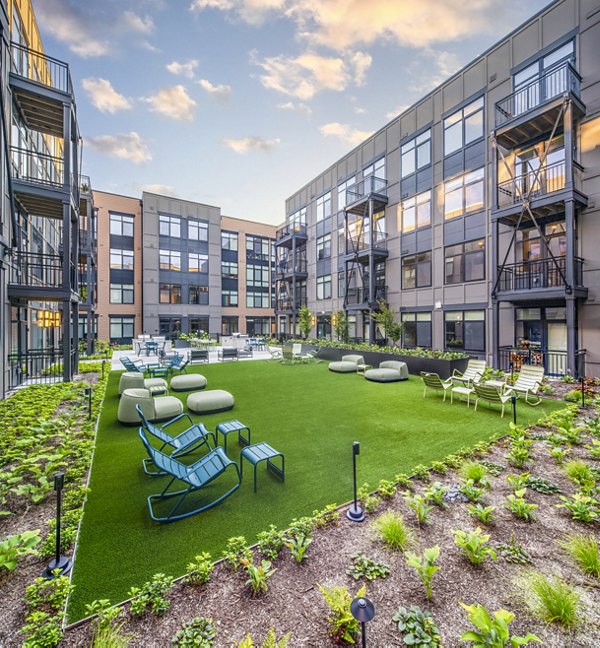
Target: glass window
<point>170,226</point>
<point>197,230</point>
<point>324,287</point>
<point>341,192</point>
<point>229,298</point>
<point>197,262</point>
<point>170,260</point>
<point>121,225</point>
<point>297,220</point>
<point>198,295</point>
<point>257,248</point>
<point>416,153</point>
<point>463,126</point>
<point>199,324</point>
<point>229,241</point>
<point>416,270</point>
<point>324,206</point>
<point>416,330</point>
<point>121,259</point>
<point>465,330</point>
<point>324,247</point>
<point>258,299</point>
<point>170,294</point>
<point>257,276</point>
<point>229,270</point>
<point>229,325</point>
<point>376,169</point>
<point>121,293</point>
<point>464,262</point>
<point>416,212</point>
<point>464,194</point>
<point>121,329</point>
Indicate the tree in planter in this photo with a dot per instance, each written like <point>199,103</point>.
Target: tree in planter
<point>386,318</point>
<point>306,321</point>
<point>342,326</point>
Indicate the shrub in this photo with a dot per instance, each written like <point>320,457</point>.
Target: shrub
<point>343,626</point>
<point>198,632</point>
<point>41,630</point>
<point>417,627</point>
<point>583,508</point>
<point>420,505</point>
<point>386,488</point>
<point>365,567</point>
<point>476,472</point>
<point>151,594</point>
<point>325,517</point>
<point>392,530</point>
<point>485,514</point>
<point>581,474</point>
<point>420,472</point>
<point>518,456</point>
<point>200,570</point>
<point>15,546</point>
<point>441,468</point>
<point>493,631</point>
<point>369,501</point>
<point>425,567</point>
<point>583,549</point>
<point>552,599</point>
<point>519,507</point>
<point>271,542</point>
<point>236,552</point>
<point>474,545</point>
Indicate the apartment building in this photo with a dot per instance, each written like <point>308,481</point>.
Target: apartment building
<point>47,218</point>
<point>473,214</point>
<point>168,266</point>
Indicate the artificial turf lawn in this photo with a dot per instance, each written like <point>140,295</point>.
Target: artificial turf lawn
<point>306,412</point>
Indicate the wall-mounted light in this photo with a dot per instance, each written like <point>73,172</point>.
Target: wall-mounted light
<point>48,319</point>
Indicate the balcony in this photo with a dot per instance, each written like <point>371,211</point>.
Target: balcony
<point>38,366</point>
<point>289,270</point>
<point>285,236</point>
<point>39,277</point>
<point>554,361</point>
<point>360,248</point>
<point>532,110</point>
<point>288,306</point>
<point>358,298</point>
<point>540,279</point>
<point>371,188</point>
<point>546,192</point>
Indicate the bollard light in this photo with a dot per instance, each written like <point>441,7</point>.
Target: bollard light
<point>88,393</point>
<point>582,392</point>
<point>363,611</point>
<point>103,366</point>
<point>513,400</point>
<point>62,563</point>
<point>355,512</point>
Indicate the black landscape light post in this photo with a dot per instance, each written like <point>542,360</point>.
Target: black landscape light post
<point>355,512</point>
<point>62,563</point>
<point>513,400</point>
<point>88,393</point>
<point>363,611</point>
<point>582,392</point>
<point>103,365</point>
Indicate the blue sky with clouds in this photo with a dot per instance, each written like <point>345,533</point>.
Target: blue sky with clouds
<point>238,103</point>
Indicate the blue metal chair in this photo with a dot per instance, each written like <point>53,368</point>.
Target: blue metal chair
<point>179,363</point>
<point>195,476</point>
<point>130,365</point>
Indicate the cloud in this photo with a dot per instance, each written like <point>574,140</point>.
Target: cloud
<point>103,96</point>
<point>246,144</point>
<point>360,111</point>
<point>344,132</point>
<point>305,75</point>
<point>132,22</point>
<point>221,91</point>
<point>157,188</point>
<point>127,146</point>
<point>398,110</point>
<point>147,45</point>
<point>183,69</point>
<point>295,106</point>
<point>254,12</point>
<point>173,102</point>
<point>445,65</point>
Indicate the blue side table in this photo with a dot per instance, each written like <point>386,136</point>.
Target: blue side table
<point>233,426</point>
<point>263,452</point>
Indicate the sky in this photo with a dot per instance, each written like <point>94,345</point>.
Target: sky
<point>240,103</point>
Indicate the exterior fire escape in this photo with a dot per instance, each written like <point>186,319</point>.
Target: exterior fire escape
<point>88,276</point>
<point>45,181</point>
<point>291,274</point>
<point>530,194</point>
<point>366,249</point>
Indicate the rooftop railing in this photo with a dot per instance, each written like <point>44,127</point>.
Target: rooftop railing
<point>41,68</point>
<point>546,87</point>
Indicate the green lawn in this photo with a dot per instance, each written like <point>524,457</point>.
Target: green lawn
<point>305,411</point>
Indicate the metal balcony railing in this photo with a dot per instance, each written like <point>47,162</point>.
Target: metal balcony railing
<point>356,296</point>
<point>40,270</point>
<point>288,230</point>
<point>36,167</point>
<point>286,267</point>
<point>363,242</point>
<point>41,68</point>
<point>548,86</point>
<point>554,361</point>
<point>85,185</point>
<point>549,179</point>
<point>538,274</point>
<point>289,305</point>
<point>38,366</point>
<point>370,185</point>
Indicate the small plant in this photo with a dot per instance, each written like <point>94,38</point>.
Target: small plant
<point>402,480</point>
<point>15,546</point>
<point>271,542</point>
<point>493,468</point>
<point>425,567</point>
<point>560,454</point>
<point>474,545</point>
<point>583,549</point>
<point>435,494</point>
<point>198,632</point>
<point>420,505</point>
<point>420,472</point>
<point>47,594</point>
<point>519,507</point>
<point>298,545</point>
<point>269,642</point>
<point>386,488</point>
<point>200,570</point>
<point>365,567</point>
<point>105,613</point>
<point>542,485</point>
<point>391,528</point>
<point>476,472</point>
<point>485,514</point>
<point>581,474</point>
<point>551,599</point>
<point>236,552</point>
<point>258,576</point>
<point>518,456</point>
<point>344,627</point>
<point>493,632</point>
<point>417,627</point>
<point>594,449</point>
<point>471,492</point>
<point>439,467</point>
<point>151,594</point>
<point>41,630</point>
<point>370,502</point>
<point>513,552</point>
<point>327,516</point>
<point>518,482</point>
<point>583,508</point>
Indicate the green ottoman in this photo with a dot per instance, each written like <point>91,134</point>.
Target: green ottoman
<point>212,400</point>
<point>342,367</point>
<point>188,382</point>
<point>155,409</point>
<point>388,371</point>
<point>136,380</point>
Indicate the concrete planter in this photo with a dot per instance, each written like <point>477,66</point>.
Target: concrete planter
<point>415,364</point>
